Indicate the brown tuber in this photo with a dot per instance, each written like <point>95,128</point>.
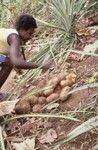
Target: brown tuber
<point>64,83</point>
<point>48,91</point>
<point>42,100</point>
<point>37,108</point>
<point>22,107</point>
<point>71,77</point>
<point>62,75</point>
<point>41,83</point>
<point>64,92</point>
<point>33,100</point>
<point>52,97</point>
<point>53,82</point>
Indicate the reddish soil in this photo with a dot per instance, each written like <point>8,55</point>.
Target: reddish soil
<point>20,129</point>
<point>24,128</point>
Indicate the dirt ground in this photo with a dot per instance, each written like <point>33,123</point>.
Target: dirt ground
<point>18,129</point>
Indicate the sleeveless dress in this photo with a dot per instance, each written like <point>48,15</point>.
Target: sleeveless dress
<point>4,46</point>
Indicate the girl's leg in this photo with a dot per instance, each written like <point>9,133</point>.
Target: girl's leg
<point>4,72</point>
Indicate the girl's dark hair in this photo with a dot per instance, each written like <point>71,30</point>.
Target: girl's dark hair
<point>25,22</point>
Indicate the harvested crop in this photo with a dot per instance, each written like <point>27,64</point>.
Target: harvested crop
<point>42,100</point>
<point>64,92</point>
<point>63,83</point>
<point>52,97</point>
<point>62,75</point>
<point>33,100</point>
<point>37,108</point>
<point>71,77</point>
<point>67,82</point>
<point>49,91</point>
<point>41,83</point>
<point>53,82</point>
<point>22,108</point>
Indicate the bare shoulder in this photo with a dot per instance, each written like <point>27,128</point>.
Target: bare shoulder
<point>13,39</point>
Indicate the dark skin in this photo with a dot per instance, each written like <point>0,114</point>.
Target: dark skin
<point>15,60</point>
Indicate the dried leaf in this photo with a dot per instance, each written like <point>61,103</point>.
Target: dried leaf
<point>49,137</point>
<point>91,80</point>
<point>28,144</point>
<point>53,106</point>
<point>7,107</point>
<point>90,48</point>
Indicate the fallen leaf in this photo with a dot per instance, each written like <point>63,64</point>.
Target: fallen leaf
<point>52,106</point>
<point>90,48</point>
<point>7,107</point>
<point>91,80</point>
<point>28,144</point>
<point>49,137</point>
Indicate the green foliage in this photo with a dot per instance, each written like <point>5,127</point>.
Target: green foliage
<point>65,13</point>
<point>9,9</point>
<point>84,127</point>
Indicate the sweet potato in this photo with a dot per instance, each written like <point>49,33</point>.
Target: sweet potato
<point>42,100</point>
<point>41,83</point>
<point>67,82</point>
<point>62,75</point>
<point>71,77</point>
<point>53,82</point>
<point>47,91</point>
<point>64,92</point>
<point>52,97</point>
<point>37,108</point>
<point>22,108</point>
<point>33,100</point>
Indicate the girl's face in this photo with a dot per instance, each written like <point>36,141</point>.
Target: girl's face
<point>26,34</point>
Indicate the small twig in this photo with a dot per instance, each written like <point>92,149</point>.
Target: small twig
<point>42,115</point>
<point>2,147</point>
<point>9,145</point>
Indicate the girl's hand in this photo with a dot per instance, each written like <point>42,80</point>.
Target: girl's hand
<point>46,66</point>
<point>18,71</point>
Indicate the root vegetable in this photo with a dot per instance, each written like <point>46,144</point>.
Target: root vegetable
<point>64,92</point>
<point>64,83</point>
<point>53,82</point>
<point>47,92</point>
<point>38,93</point>
<point>42,100</point>
<point>71,77</point>
<point>33,100</point>
<point>41,83</point>
<point>52,97</point>
<point>37,108</point>
<point>22,108</point>
<point>62,75</point>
